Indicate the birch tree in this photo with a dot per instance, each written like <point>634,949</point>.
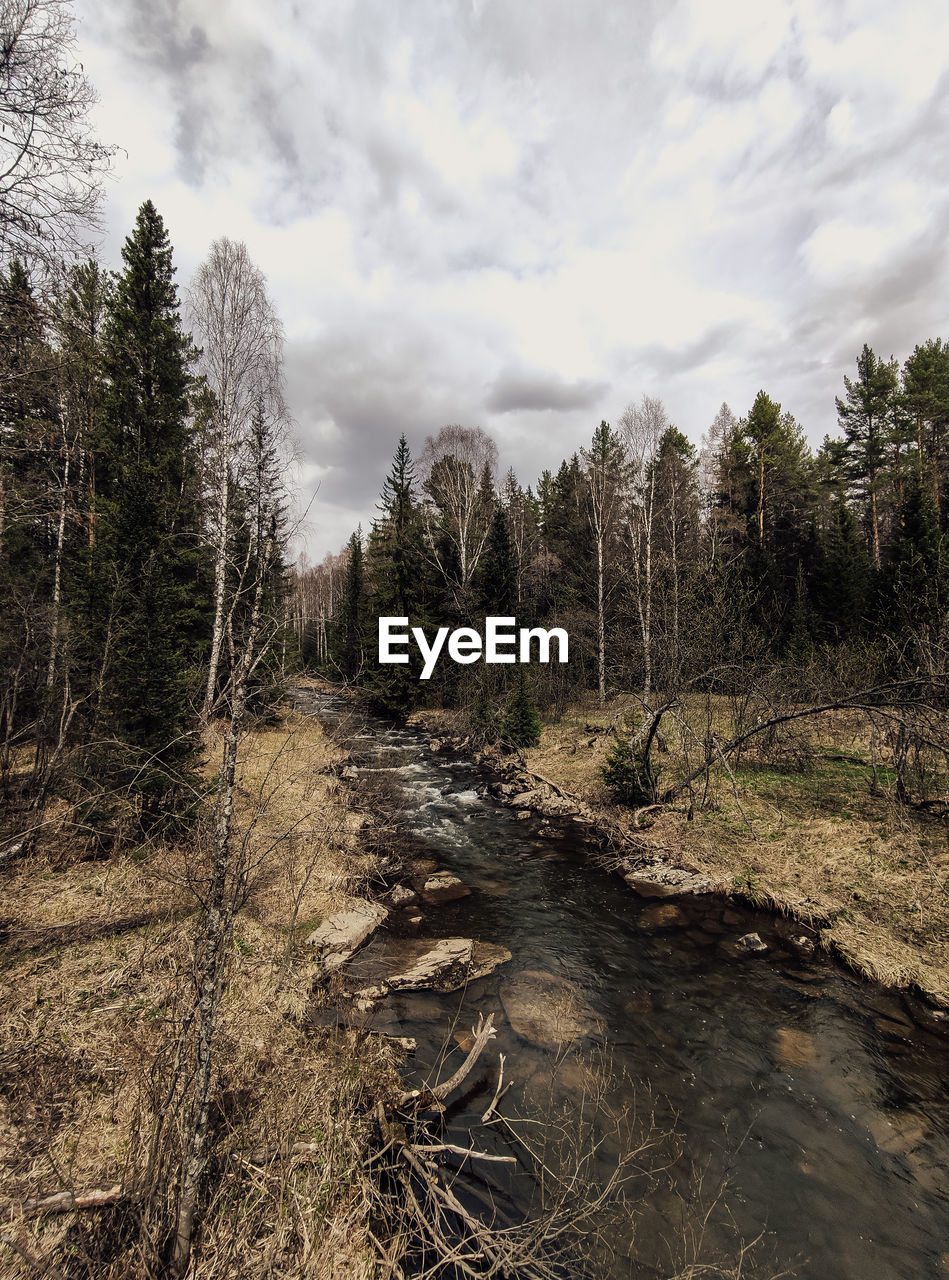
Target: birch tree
<point>642,427</point>
<point>256,616</point>
<point>241,341</point>
<point>454,466</point>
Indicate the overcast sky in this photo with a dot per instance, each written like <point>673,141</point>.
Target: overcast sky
<point>523,214</point>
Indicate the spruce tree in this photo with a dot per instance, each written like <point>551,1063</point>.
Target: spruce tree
<point>918,575</point>
<point>842,585</point>
<point>496,575</point>
<point>348,645</point>
<point>521,724</point>
<point>398,580</point>
<point>146,608</point>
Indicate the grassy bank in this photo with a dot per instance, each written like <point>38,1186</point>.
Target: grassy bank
<point>98,969</point>
<point>811,825</point>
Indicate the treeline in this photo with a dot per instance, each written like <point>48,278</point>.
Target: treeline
<point>663,562</point>
<point>142,514</point>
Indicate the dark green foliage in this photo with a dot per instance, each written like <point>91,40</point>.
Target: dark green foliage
<point>843,577</point>
<point>496,575</point>
<point>521,723</point>
<point>918,575</point>
<point>866,415</point>
<point>626,776</point>
<point>348,643</point>
<point>484,717</point>
<point>400,584</point>
<point>145,612</point>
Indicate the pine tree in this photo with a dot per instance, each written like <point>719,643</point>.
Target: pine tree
<point>496,575</point>
<point>842,578</point>
<point>145,611</point>
<point>348,645</point>
<point>925,398</point>
<point>521,724</point>
<point>866,416</point>
<point>399,580</point>
<point>918,575</point>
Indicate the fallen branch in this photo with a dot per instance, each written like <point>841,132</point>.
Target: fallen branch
<point>67,1201</point>
<point>498,1093</point>
<point>482,1033</point>
<point>458,1151</point>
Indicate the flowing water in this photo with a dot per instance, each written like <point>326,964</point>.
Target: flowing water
<point>805,1104</point>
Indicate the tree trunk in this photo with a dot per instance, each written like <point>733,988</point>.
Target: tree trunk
<point>220,578</point>
<point>875,523</point>
<point>57,578</point>
<point>601,623</point>
<point>218,928</point>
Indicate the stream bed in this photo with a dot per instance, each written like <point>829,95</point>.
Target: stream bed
<point>794,1103</point>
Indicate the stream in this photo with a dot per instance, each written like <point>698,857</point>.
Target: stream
<point>796,1105</point>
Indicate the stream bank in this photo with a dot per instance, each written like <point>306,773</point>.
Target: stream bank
<point>804,1103</point>
<point>664,858</point>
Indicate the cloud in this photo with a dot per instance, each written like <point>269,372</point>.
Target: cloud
<point>538,391</point>
<point>523,216</point>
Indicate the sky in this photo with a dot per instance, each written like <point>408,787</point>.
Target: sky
<point>525,214</point>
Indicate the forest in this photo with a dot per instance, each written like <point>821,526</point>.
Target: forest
<point>672,567</point>
<point>753,715</point>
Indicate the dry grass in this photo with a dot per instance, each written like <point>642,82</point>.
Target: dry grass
<point>822,839</point>
<point>97,962</point>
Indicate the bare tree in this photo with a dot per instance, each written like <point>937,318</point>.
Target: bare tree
<point>51,162</point>
<point>242,361</point>
<point>642,426</point>
<point>453,468</point>
<point>252,639</point>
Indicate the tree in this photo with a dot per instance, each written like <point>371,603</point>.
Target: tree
<point>349,621</point>
<point>454,465</point>
<point>521,725</point>
<point>496,578</point>
<point>926,399</point>
<point>866,416</point>
<point>918,575</point>
<point>50,160</point>
<point>242,361</point>
<point>145,610</point>
<point>842,588</point>
<point>606,491</point>
<point>642,426</point>
<point>398,578</point>
<point>677,532</point>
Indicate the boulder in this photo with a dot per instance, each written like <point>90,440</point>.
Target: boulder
<point>522,815</point>
<point>444,964</point>
<point>401,895</point>
<point>548,1011</point>
<point>344,932</point>
<point>524,799</point>
<point>443,887</point>
<point>666,882</point>
<point>752,943</point>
